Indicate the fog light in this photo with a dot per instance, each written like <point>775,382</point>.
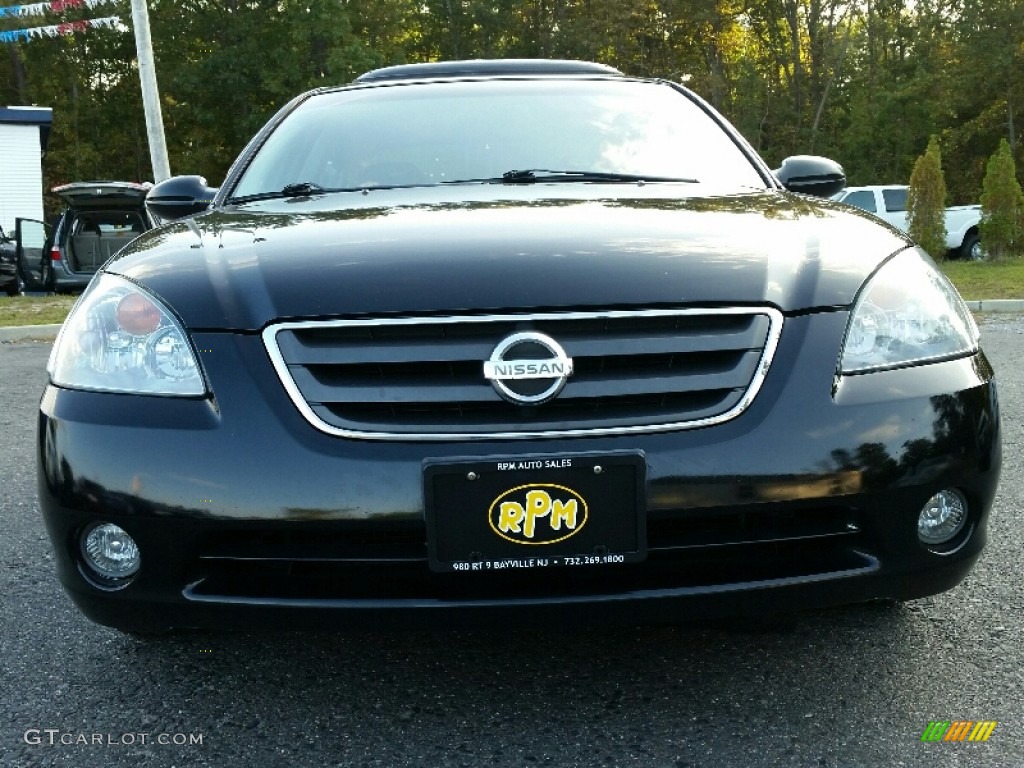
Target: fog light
<point>942,518</point>
<point>110,551</point>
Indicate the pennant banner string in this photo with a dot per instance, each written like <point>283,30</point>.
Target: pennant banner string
<point>59,30</point>
<point>40,9</point>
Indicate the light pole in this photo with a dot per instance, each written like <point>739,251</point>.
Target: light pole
<point>150,94</point>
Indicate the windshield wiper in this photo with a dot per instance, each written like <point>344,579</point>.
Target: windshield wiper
<point>525,176</point>
<point>533,175</point>
<point>543,175</point>
<point>299,189</point>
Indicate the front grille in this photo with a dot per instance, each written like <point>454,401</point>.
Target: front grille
<point>422,378</point>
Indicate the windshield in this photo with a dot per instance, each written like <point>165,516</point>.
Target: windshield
<point>434,133</point>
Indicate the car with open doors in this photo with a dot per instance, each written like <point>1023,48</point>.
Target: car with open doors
<point>10,279</point>
<point>502,342</point>
<point>98,218</point>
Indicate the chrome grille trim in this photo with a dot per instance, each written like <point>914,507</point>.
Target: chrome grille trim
<point>288,380</point>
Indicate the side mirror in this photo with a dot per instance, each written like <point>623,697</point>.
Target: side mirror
<point>811,175</point>
<point>179,196</point>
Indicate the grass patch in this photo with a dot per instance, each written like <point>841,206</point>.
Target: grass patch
<point>34,310</point>
<point>974,280</point>
<point>982,280</point>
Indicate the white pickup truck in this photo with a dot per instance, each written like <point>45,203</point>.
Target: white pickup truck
<point>889,203</point>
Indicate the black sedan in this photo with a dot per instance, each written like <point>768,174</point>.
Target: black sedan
<point>511,342</point>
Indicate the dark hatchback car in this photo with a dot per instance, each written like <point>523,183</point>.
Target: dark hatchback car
<point>511,342</point>
<point>10,280</point>
<point>98,219</point>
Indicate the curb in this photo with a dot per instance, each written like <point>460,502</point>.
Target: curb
<point>49,332</point>
<point>29,333</point>
<point>996,305</point>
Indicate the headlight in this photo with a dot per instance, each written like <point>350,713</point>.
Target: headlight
<point>120,338</point>
<point>907,313</point>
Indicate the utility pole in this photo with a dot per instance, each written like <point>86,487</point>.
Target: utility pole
<point>150,94</point>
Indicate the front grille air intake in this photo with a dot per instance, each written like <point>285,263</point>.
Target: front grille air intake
<point>422,378</point>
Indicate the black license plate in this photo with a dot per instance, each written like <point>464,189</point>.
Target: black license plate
<point>548,511</point>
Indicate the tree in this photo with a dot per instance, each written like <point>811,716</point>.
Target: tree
<point>988,94</point>
<point>1002,206</point>
<point>926,202</point>
<point>864,81</point>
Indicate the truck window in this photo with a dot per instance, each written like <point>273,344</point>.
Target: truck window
<point>862,199</point>
<point>895,199</point>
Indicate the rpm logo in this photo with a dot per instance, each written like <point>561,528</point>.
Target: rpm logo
<point>540,513</point>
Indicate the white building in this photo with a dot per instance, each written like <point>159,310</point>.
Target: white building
<point>24,133</point>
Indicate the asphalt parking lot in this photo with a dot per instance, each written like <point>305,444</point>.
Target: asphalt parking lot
<point>855,687</point>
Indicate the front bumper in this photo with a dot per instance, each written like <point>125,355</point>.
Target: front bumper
<point>246,516</point>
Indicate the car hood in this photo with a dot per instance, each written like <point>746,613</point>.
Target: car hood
<point>446,250</point>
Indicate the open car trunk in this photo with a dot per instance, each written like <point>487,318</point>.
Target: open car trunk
<point>104,216</point>
<point>96,235</point>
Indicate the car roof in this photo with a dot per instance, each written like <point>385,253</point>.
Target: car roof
<point>487,68</point>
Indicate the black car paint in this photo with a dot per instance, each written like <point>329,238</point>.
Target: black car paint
<point>240,477</point>
<point>495,248</point>
<point>202,466</point>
